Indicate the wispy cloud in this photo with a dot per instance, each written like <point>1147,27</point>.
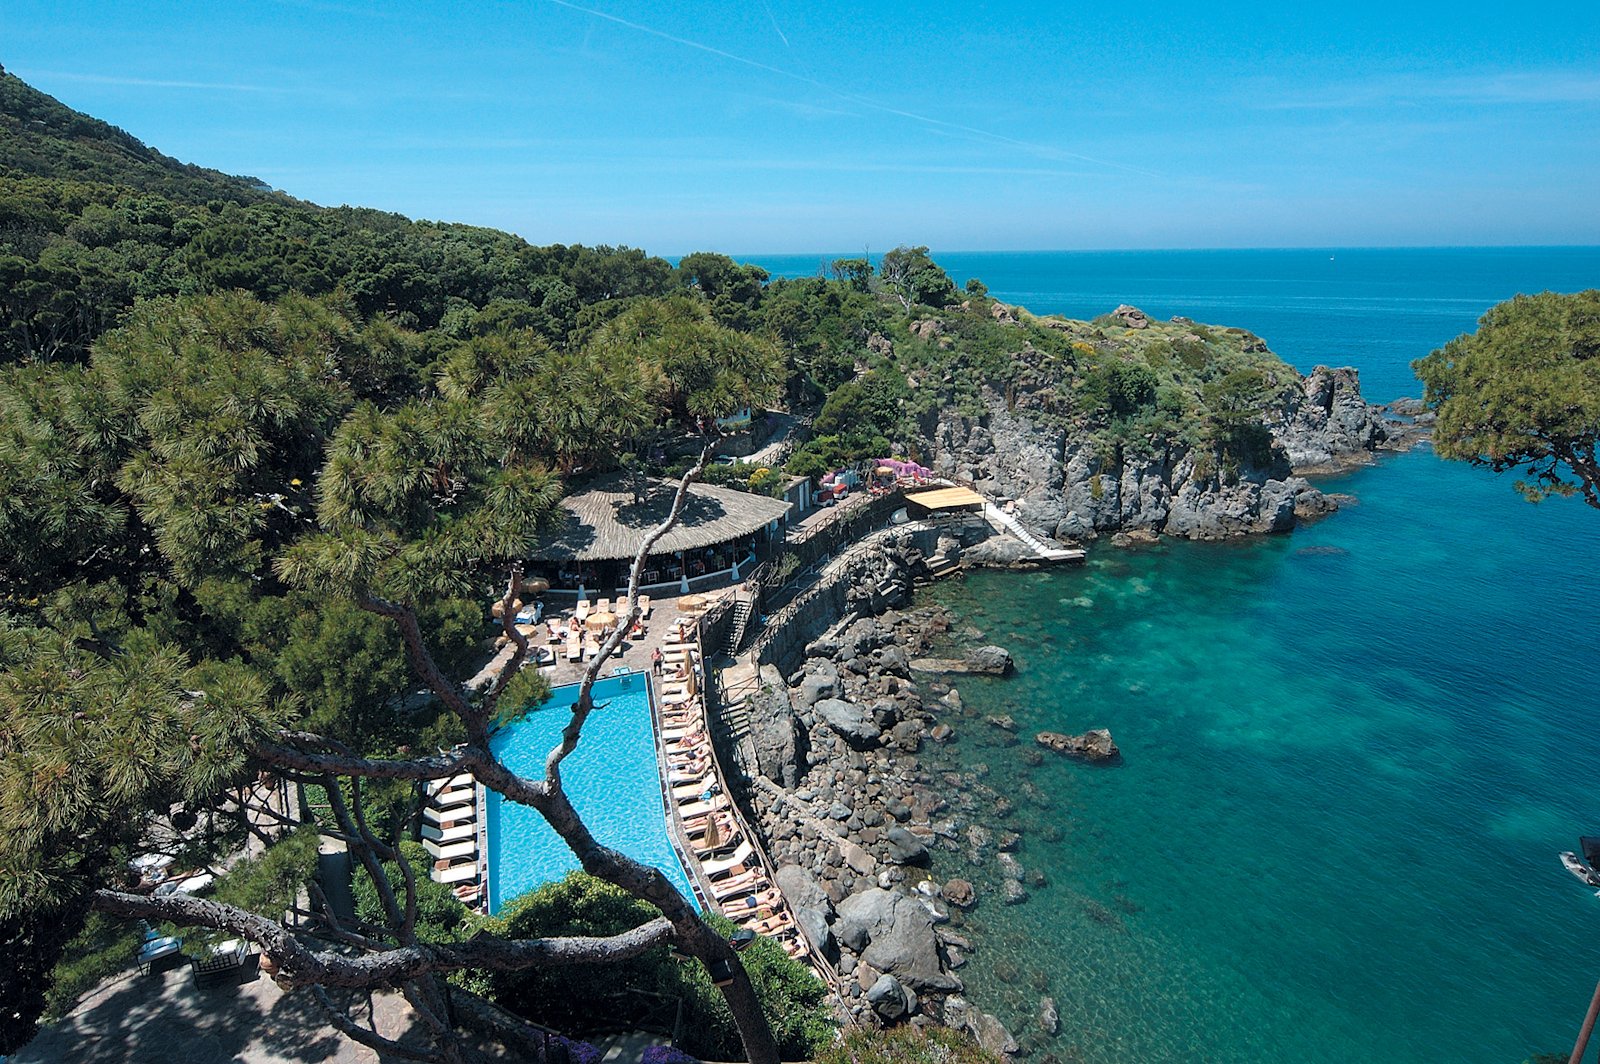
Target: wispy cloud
<point>152,83</point>
<point>1494,88</point>
<point>1041,150</point>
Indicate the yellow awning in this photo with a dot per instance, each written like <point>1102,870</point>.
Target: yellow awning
<point>956,498</point>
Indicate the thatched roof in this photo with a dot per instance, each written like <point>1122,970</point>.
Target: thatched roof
<point>603,521</point>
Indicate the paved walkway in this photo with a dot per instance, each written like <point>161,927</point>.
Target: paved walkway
<point>164,1018</point>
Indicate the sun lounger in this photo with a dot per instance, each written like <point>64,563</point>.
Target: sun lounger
<point>727,864</point>
<point>581,613</point>
<point>694,788</point>
<point>574,645</point>
<point>644,605</point>
<point>735,885</point>
<point>602,605</point>
<point>690,810</point>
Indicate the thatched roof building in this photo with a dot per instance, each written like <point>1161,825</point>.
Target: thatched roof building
<point>605,522</point>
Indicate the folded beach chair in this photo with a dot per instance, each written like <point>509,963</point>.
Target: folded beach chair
<point>602,605</point>
<point>581,613</point>
<point>644,605</point>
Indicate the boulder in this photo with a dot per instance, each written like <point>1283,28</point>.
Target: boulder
<point>862,862</point>
<point>904,847</point>
<point>908,736</point>
<point>851,722</point>
<point>820,681</point>
<point>890,999</point>
<point>1094,745</point>
<point>959,892</point>
<point>990,660</point>
<point>812,908</point>
<point>1131,317</point>
<point>993,1036</point>
<point>1013,892</point>
<point>942,733</point>
<point>1049,1018</point>
<point>894,934</point>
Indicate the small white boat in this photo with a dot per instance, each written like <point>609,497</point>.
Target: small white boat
<point>1574,864</point>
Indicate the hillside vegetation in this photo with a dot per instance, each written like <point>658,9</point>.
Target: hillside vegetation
<point>232,423</point>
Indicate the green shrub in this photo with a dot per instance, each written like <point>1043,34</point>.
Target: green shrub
<point>905,1045</point>
<point>645,991</point>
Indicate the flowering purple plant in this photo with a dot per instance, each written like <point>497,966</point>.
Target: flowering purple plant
<point>666,1055</point>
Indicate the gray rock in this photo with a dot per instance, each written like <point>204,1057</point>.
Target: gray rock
<point>1013,892</point>
<point>821,681</point>
<point>993,1036</point>
<point>1049,1019</point>
<point>891,1000</point>
<point>959,892</point>
<point>774,732</point>
<point>905,848</point>
<point>894,934</point>
<point>858,859</point>
<point>907,736</point>
<point>992,660</point>
<point>1094,745</point>
<point>850,721</point>
<point>813,909</point>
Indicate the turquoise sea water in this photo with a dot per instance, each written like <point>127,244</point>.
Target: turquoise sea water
<point>612,779</point>
<point>1351,753</point>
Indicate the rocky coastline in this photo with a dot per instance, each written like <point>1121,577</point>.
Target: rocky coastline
<point>1070,488</point>
<point>882,849</point>
<point>888,851</point>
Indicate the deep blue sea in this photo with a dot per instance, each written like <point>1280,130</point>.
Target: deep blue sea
<point>1351,753</point>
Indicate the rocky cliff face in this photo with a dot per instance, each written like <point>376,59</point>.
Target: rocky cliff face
<point>1072,489</point>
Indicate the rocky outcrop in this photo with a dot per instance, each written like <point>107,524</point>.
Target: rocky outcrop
<point>1131,317</point>
<point>983,661</point>
<point>1093,745</point>
<point>774,731</point>
<point>1326,426</point>
<point>811,904</point>
<point>1070,487</point>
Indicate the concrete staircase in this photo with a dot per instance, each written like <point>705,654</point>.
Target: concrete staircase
<point>1001,521</point>
<point>744,611</point>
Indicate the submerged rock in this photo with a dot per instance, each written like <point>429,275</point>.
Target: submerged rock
<point>1094,745</point>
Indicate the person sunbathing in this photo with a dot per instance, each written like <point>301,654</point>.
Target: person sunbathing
<point>695,760</point>
<point>766,901</point>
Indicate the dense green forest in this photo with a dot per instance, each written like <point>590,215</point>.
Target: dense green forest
<point>232,421</point>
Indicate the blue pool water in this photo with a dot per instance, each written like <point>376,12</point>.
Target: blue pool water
<point>1352,753</point>
<point>612,779</point>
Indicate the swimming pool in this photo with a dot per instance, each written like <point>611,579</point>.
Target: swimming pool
<point>612,779</point>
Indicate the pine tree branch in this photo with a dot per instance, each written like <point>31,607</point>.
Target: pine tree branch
<point>300,965</point>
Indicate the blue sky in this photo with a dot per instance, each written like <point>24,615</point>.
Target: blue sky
<point>782,125</point>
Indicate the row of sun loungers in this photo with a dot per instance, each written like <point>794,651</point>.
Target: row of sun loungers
<point>730,866</point>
